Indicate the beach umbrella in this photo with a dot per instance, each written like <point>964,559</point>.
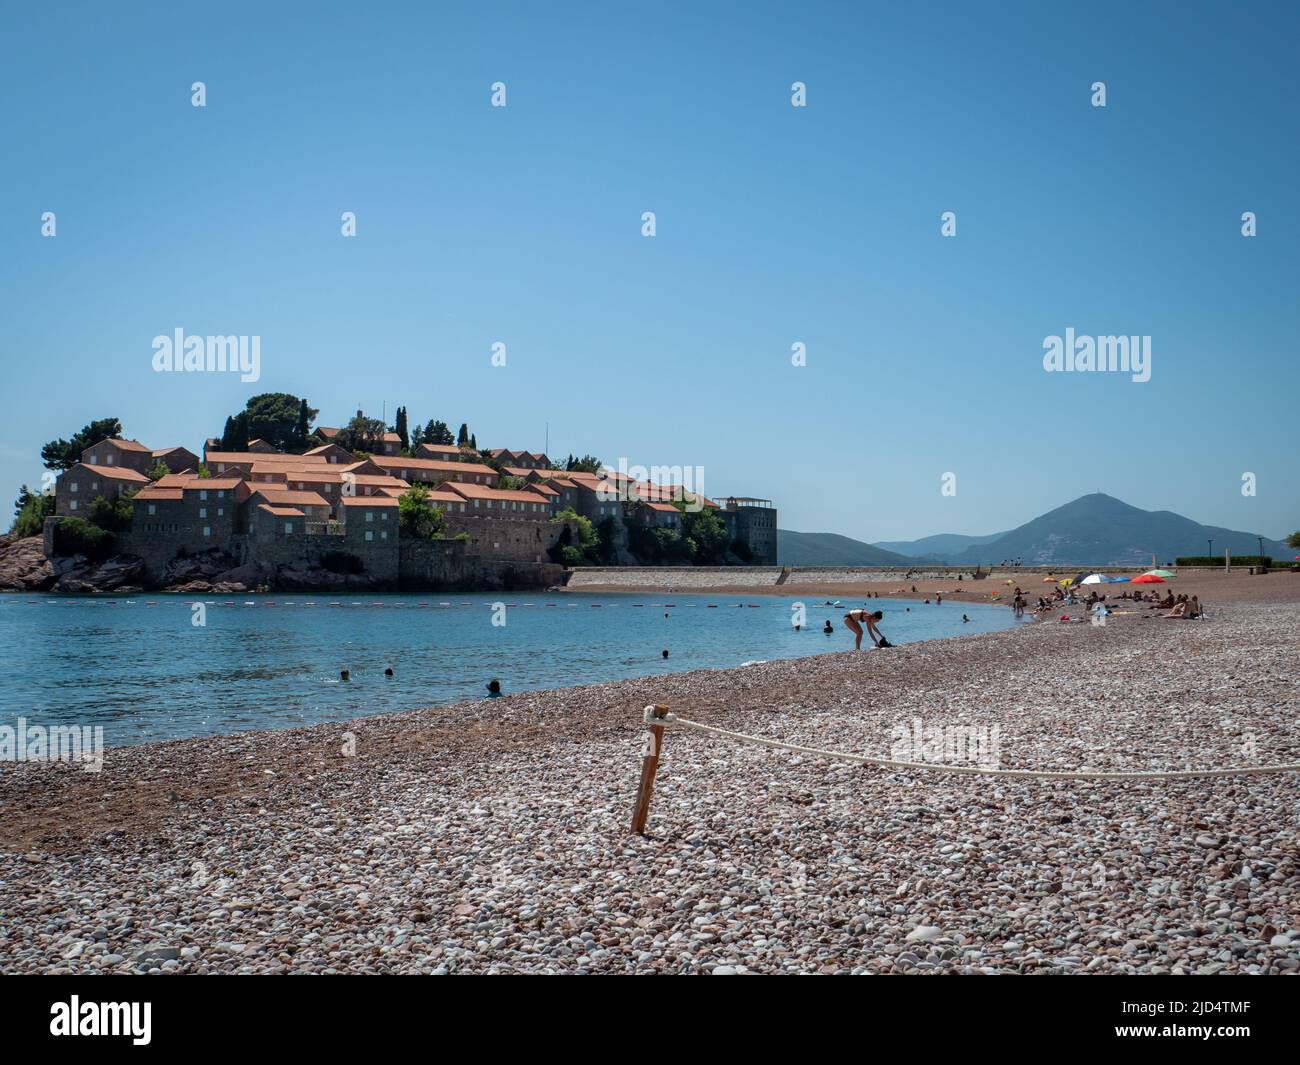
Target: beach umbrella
<point>1117,580</point>
<point>1148,578</point>
<point>1049,580</point>
<point>1068,580</point>
<point>1079,577</point>
<point>1159,573</point>
<point>1095,578</point>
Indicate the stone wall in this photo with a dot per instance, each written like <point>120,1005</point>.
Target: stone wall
<point>508,539</point>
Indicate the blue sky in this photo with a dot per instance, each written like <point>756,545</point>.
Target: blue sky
<point>775,225</point>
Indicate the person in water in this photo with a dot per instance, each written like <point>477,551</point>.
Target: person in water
<point>344,675</point>
<point>494,689</point>
<point>856,619</point>
<point>828,628</point>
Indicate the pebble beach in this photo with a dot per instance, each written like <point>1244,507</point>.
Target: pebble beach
<point>492,836</point>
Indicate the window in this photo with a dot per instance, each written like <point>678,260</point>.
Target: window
<point>153,509</point>
<point>203,493</point>
<point>288,526</point>
<point>369,535</point>
<point>221,511</point>
<point>221,493</point>
<point>207,530</point>
<point>110,459</point>
<point>383,515</point>
<point>370,515</point>
<point>72,505</point>
<point>384,535</point>
<point>72,485</point>
<point>203,512</point>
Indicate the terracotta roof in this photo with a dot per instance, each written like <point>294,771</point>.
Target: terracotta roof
<point>325,447</point>
<point>205,483</point>
<point>545,489</point>
<point>369,501</point>
<point>279,497</point>
<point>168,450</point>
<point>154,492</point>
<point>663,508</point>
<point>270,457</point>
<point>517,471</point>
<point>124,445</point>
<point>281,512</point>
<point>397,462</point>
<point>440,449</point>
<point>175,480</point>
<point>479,491</point>
<point>115,473</point>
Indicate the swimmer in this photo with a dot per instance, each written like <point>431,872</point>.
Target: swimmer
<point>494,689</point>
<point>828,628</point>
<point>344,675</point>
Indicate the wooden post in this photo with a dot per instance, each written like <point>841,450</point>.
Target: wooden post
<point>654,742</point>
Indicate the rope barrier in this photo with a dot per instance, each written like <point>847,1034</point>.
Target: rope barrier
<point>658,716</point>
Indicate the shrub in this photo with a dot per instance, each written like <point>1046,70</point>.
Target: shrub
<point>76,536</point>
<point>30,511</point>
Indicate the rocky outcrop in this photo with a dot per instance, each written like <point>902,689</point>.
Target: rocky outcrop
<point>311,577</point>
<point>121,573</point>
<point>23,565</point>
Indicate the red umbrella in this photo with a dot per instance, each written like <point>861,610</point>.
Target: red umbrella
<point>1146,578</point>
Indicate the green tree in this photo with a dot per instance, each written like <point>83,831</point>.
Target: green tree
<point>417,518</point>
<point>399,427</point>
<point>586,464</point>
<point>30,511</point>
<point>438,433</point>
<point>64,454</point>
<point>1293,541</point>
<point>462,438</point>
<point>708,532</point>
<point>587,549</point>
<point>112,515</point>
<point>159,471</point>
<point>509,484</point>
<point>302,431</point>
<point>282,420</point>
<point>362,434</point>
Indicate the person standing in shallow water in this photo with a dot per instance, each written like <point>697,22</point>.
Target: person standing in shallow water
<point>494,689</point>
<point>856,619</point>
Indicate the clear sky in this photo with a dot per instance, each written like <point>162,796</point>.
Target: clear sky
<point>775,225</point>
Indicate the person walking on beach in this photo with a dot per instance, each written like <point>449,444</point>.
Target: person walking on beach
<point>856,619</point>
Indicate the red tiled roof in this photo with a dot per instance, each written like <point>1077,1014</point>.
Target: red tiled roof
<point>115,473</point>
<point>205,483</point>
<point>280,497</point>
<point>479,491</point>
<point>397,462</point>
<point>124,445</point>
<point>369,501</point>
<point>154,492</point>
<point>281,512</point>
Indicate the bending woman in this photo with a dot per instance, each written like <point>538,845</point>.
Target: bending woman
<point>856,619</point>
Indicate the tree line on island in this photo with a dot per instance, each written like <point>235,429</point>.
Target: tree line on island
<point>285,422</point>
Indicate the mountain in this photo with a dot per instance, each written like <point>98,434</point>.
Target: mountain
<point>831,549</point>
<point>1093,530</point>
<point>1100,530</point>
<point>940,545</point>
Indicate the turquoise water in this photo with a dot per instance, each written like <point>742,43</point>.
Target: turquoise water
<point>142,670</point>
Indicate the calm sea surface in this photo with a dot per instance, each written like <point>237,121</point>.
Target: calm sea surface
<point>140,668</point>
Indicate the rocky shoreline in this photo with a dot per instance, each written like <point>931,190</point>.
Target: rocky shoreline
<point>493,836</point>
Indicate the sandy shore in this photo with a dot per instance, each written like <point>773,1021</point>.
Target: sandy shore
<point>492,836</point>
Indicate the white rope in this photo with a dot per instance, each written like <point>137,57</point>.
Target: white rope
<point>1035,774</point>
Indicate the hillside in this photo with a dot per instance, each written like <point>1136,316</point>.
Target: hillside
<point>941,545</point>
<point>831,549</point>
<point>1099,530</point>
